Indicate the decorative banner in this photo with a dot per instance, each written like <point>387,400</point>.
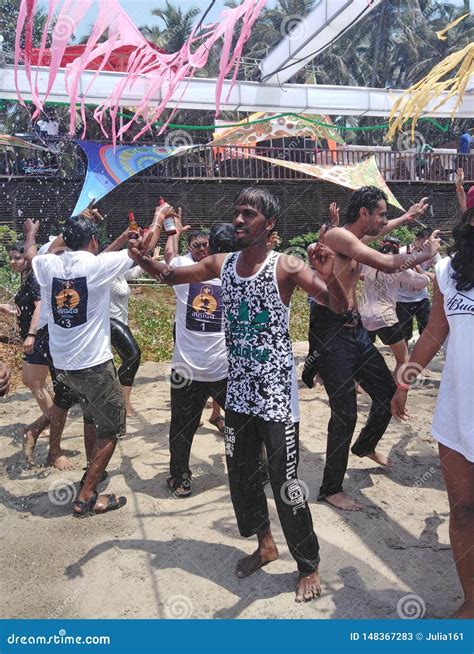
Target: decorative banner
<point>365,173</point>
<point>109,166</point>
<point>15,142</point>
<point>164,72</point>
<point>281,127</point>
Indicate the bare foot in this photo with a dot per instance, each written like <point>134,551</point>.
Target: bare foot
<point>308,587</point>
<point>29,442</point>
<point>465,611</point>
<point>250,564</point>
<point>344,502</point>
<point>130,411</point>
<point>381,459</point>
<point>61,462</point>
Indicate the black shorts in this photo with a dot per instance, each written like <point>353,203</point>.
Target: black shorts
<point>388,335</point>
<point>40,355</point>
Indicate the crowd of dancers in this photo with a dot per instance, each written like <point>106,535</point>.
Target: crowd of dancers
<point>232,344</point>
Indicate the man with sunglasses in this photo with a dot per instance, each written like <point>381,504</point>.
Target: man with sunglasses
<point>199,364</point>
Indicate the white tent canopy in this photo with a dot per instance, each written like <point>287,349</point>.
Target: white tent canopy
<point>199,93</point>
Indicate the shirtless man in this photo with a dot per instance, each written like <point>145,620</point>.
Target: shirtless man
<point>262,402</point>
<point>345,352</point>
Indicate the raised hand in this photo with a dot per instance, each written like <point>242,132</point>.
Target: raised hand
<point>333,215</point>
<point>459,178</point>
<point>274,240</point>
<point>417,210</point>
<point>179,223</point>
<point>31,227</point>
<point>433,244</point>
<point>92,213</point>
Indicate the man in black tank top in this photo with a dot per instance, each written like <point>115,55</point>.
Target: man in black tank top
<point>261,406</point>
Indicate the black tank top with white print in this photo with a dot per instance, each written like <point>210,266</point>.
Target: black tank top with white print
<point>258,342</point>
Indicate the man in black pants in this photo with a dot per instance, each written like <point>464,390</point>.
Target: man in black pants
<point>262,401</point>
<point>346,354</point>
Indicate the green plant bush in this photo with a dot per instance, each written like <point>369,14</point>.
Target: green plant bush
<point>9,280</point>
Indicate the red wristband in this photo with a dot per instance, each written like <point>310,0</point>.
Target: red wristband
<point>403,387</point>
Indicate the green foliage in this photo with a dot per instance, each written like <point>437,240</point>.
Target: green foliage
<point>151,313</point>
<point>9,280</point>
<point>304,240</point>
<point>299,316</point>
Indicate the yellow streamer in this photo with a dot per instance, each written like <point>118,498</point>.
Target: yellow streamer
<point>442,32</point>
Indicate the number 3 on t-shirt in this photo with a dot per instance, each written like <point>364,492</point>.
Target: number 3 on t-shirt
<point>69,301</point>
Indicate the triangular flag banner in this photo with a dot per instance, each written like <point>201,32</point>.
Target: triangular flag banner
<point>365,173</point>
<point>109,166</point>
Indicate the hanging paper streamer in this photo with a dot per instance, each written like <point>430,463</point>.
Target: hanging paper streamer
<point>164,72</point>
<point>365,173</point>
<point>109,166</point>
<point>442,83</point>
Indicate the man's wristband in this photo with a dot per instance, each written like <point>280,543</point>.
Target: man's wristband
<point>34,335</point>
<point>403,387</point>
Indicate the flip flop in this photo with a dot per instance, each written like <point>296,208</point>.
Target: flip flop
<point>86,509</point>
<point>218,422</point>
<point>180,488</point>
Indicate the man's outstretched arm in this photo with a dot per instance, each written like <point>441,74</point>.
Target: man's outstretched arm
<point>208,268</point>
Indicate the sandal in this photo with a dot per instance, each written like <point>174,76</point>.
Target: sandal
<point>180,488</point>
<point>105,474</point>
<point>86,509</point>
<point>218,422</point>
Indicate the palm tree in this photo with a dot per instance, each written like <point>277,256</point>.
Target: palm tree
<point>178,27</point>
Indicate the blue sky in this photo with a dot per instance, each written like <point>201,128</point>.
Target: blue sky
<point>140,11</point>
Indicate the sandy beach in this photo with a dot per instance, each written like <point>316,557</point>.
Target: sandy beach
<point>162,557</point>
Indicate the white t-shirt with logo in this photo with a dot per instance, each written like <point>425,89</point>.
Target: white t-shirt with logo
<point>76,287</point>
<point>409,293</point>
<point>453,419</point>
<point>200,351</point>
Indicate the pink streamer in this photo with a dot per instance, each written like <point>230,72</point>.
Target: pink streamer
<point>164,72</point>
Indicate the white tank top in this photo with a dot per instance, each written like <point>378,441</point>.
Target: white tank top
<point>262,377</point>
<point>453,420</point>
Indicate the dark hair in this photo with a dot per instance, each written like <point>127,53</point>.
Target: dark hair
<point>390,245</point>
<point>462,252</point>
<point>19,246</point>
<point>424,232</point>
<point>365,197</point>
<point>196,233</point>
<point>78,231</point>
<point>222,238</point>
<point>261,199</point>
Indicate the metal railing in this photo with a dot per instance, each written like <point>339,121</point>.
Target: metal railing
<point>237,162</point>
